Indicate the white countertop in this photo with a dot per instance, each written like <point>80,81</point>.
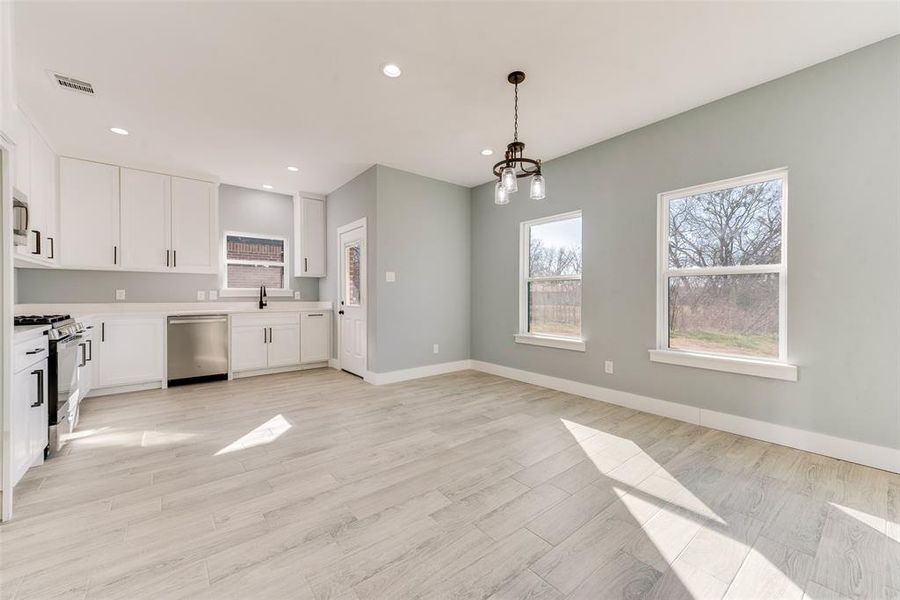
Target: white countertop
<point>168,308</point>
<point>24,333</point>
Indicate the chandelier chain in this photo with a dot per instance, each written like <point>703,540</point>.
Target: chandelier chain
<point>516,116</point>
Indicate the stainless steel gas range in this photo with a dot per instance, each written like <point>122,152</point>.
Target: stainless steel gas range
<point>68,351</point>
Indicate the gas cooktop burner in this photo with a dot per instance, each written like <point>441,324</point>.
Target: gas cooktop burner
<point>40,319</point>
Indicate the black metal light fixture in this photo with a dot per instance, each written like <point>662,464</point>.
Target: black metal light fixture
<point>514,164</point>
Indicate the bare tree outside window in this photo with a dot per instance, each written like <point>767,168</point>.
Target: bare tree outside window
<point>553,280</point>
<point>724,259</point>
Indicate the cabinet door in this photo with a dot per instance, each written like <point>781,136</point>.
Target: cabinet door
<point>21,132</point>
<point>88,214</point>
<point>248,347</point>
<point>315,337</point>
<point>145,219</point>
<point>86,372</point>
<point>284,345</point>
<point>309,233</point>
<point>37,416</point>
<point>24,395</point>
<point>131,351</point>
<point>194,226</point>
<point>43,194</point>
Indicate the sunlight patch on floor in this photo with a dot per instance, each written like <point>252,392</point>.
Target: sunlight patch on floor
<point>165,438</point>
<point>621,460</point>
<point>266,433</point>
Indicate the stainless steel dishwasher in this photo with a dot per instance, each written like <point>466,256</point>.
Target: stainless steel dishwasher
<point>197,348</point>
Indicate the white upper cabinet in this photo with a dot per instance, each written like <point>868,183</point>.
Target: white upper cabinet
<point>145,211</point>
<point>34,170</point>
<point>89,214</point>
<point>309,236</point>
<point>167,223</point>
<point>194,225</point>
<point>43,194</point>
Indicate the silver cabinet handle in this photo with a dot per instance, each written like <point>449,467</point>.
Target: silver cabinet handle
<point>315,315</point>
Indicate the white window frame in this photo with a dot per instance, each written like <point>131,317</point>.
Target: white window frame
<point>775,368</point>
<point>284,290</point>
<point>563,342</point>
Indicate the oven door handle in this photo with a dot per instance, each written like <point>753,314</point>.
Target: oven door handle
<point>40,376</point>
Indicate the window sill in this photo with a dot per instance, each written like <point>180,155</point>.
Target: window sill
<point>728,364</point>
<point>253,293</point>
<point>550,341</point>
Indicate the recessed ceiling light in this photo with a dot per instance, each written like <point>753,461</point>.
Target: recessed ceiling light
<point>391,70</point>
<point>266,186</point>
<point>119,130</point>
<point>487,152</point>
<point>293,169</point>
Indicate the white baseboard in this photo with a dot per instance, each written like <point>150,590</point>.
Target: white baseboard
<point>333,363</point>
<point>417,372</point>
<point>673,410</point>
<point>880,457</point>
<point>124,389</point>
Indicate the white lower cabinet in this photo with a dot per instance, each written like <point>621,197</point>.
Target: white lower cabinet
<point>87,360</point>
<point>28,414</point>
<point>315,336</point>
<point>249,347</point>
<point>130,351</point>
<point>268,341</point>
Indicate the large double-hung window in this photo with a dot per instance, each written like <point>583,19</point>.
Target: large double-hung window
<point>722,276</point>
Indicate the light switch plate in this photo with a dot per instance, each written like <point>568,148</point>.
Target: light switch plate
<point>390,276</point>
<point>296,295</point>
<point>437,348</point>
<point>201,295</point>
<point>213,295</point>
<point>120,294</point>
<point>608,367</point>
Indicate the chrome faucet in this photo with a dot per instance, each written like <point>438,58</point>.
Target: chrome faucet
<point>263,299</point>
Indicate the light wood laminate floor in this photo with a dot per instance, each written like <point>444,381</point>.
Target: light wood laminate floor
<point>317,485</point>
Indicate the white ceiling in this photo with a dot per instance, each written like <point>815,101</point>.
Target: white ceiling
<point>239,91</point>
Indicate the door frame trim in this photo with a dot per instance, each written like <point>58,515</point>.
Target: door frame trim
<point>364,286</point>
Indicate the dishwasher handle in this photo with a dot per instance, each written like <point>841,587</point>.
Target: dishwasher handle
<point>198,319</point>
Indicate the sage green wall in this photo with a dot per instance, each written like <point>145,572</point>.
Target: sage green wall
<point>836,126</point>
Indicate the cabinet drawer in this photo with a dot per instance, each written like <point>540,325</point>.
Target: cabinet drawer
<point>27,353</point>
<point>265,319</point>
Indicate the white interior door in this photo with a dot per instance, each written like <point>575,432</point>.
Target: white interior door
<point>352,297</point>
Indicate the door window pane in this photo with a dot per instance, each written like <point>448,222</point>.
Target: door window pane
<point>352,274</point>
<point>730,227</point>
<point>554,307</point>
<point>725,314</point>
<point>555,248</point>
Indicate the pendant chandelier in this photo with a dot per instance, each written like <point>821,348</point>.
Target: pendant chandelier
<point>514,164</point>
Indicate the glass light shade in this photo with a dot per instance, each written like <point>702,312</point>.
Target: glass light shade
<point>538,187</point>
<point>501,196</point>
<point>508,178</point>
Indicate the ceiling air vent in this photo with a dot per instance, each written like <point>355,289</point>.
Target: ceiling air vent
<point>70,83</point>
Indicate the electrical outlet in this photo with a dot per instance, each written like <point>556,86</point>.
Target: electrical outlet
<point>120,294</point>
<point>297,296</point>
<point>201,295</point>
<point>608,367</point>
<point>390,276</point>
<point>437,348</point>
<point>213,295</point>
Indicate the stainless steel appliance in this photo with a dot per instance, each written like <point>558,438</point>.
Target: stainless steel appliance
<point>197,348</point>
<point>67,351</point>
<point>20,218</point>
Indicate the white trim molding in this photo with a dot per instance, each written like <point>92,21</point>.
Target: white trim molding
<point>550,341</point>
<point>728,364</point>
<point>879,457</point>
<point>417,372</point>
